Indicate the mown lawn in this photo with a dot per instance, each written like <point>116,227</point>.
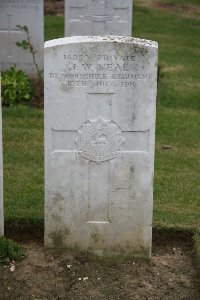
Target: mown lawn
<point>177,168</point>
<point>23,163</point>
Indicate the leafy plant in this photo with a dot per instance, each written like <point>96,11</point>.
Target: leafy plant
<point>16,87</point>
<point>27,45</point>
<point>10,250</point>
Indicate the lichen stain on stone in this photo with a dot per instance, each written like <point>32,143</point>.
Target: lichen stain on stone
<point>55,218</point>
<point>56,207</point>
<point>58,237</point>
<point>131,175</point>
<point>96,237</point>
<point>54,51</point>
<point>132,170</point>
<point>127,249</point>
<point>133,117</point>
<point>57,197</point>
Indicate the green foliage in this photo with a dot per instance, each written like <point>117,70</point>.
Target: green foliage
<point>16,87</point>
<point>10,250</point>
<point>23,44</point>
<point>27,45</point>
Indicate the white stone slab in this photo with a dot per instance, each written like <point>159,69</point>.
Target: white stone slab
<point>98,17</point>
<point>21,12</point>
<point>100,104</point>
<point>1,173</point>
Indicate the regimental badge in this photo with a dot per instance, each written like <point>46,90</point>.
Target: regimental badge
<point>99,140</point>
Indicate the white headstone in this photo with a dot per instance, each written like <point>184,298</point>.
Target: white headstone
<point>1,173</point>
<point>21,12</point>
<point>98,17</point>
<point>100,105</point>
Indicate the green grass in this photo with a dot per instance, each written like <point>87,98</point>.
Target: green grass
<point>177,175</point>
<point>10,250</point>
<point>179,44</point>
<point>23,163</point>
<point>54,27</point>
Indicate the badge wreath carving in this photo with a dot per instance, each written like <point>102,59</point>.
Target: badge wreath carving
<point>99,140</point>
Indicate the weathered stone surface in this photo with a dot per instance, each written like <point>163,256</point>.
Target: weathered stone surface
<point>100,103</point>
<point>1,174</point>
<point>21,12</point>
<point>98,17</point>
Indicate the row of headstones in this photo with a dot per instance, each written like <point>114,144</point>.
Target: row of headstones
<point>100,102</point>
<point>82,17</point>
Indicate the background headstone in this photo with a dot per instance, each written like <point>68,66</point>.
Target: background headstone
<point>98,17</point>
<point>1,173</point>
<point>100,103</point>
<point>21,12</point>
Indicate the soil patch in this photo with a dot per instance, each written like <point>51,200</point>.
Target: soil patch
<point>186,10</point>
<point>54,7</point>
<point>47,275</point>
<point>38,93</point>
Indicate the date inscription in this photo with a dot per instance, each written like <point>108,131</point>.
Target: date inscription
<point>101,71</point>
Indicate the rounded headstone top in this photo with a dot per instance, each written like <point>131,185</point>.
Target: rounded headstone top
<point>107,39</point>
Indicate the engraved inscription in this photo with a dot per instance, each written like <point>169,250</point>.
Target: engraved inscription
<point>100,70</point>
<point>101,11</point>
<point>96,9</point>
<point>99,140</point>
<point>97,12</point>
